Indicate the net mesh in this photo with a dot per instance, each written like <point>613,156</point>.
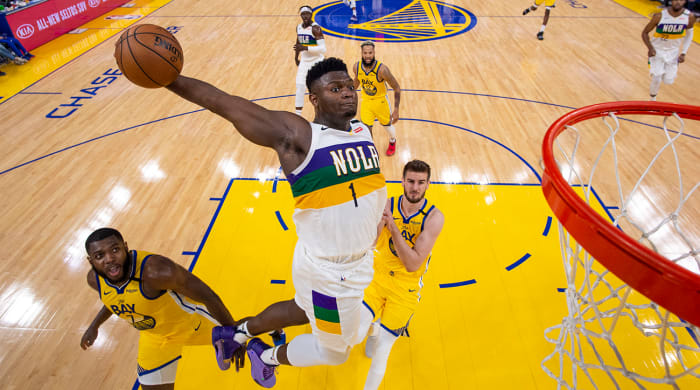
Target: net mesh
<point>613,336</point>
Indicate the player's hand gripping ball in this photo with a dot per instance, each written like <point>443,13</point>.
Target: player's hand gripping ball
<point>149,56</point>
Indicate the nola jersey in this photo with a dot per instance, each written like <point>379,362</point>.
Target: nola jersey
<point>166,315</point>
<point>670,30</point>
<point>372,88</point>
<point>411,226</point>
<point>306,37</point>
<point>339,193</point>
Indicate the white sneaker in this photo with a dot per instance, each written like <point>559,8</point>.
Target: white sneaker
<point>652,99</point>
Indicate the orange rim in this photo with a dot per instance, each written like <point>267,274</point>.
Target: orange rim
<point>659,279</point>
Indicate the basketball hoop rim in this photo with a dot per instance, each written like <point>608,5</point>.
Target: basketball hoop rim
<point>659,279</point>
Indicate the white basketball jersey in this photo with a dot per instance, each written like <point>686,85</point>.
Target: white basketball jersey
<point>306,37</point>
<point>670,30</point>
<point>339,193</point>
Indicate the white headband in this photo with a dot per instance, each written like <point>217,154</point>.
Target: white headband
<point>305,9</point>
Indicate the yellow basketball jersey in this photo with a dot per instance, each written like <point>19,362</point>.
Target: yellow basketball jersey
<point>166,315</point>
<point>372,88</point>
<point>387,261</point>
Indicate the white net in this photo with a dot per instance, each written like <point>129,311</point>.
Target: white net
<point>645,180</point>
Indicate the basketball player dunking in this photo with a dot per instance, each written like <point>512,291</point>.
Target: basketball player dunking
<point>160,299</point>
<point>339,193</point>
<point>311,46</point>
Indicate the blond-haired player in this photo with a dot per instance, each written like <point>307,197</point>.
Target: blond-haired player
<point>548,5</point>
<point>406,236</point>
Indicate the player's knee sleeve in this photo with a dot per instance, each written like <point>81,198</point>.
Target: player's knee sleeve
<point>305,351</point>
<point>385,341</point>
<point>655,84</point>
<point>668,79</point>
<point>299,97</point>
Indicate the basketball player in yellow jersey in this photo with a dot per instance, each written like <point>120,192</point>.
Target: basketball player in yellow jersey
<point>372,76</point>
<point>549,4</point>
<point>169,305</point>
<point>410,226</point>
<point>667,48</point>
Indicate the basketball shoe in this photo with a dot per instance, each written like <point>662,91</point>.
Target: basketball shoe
<point>391,149</point>
<point>262,373</point>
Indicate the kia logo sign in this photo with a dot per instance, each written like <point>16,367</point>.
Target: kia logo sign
<point>94,3</point>
<point>25,31</point>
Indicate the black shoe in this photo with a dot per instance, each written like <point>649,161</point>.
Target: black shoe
<point>2,73</point>
<point>353,18</point>
<point>540,35</point>
<point>526,11</point>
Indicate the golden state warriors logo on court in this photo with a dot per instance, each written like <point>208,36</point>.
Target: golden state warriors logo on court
<point>394,20</point>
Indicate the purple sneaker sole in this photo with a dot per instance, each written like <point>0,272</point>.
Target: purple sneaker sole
<point>263,374</point>
<point>223,364</point>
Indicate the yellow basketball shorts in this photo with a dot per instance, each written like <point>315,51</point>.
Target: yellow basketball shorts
<point>392,300</point>
<point>375,108</point>
<point>547,3</point>
<point>158,355</point>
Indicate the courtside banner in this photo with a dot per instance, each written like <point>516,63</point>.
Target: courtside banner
<point>42,22</point>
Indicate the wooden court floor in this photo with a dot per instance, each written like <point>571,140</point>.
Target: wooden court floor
<point>181,182</point>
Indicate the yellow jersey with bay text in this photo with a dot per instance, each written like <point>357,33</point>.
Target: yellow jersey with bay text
<point>387,262</point>
<point>166,314</point>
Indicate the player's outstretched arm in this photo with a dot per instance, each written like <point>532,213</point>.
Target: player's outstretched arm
<point>385,74</point>
<point>161,273</point>
<point>90,334</point>
<point>256,123</point>
<point>413,258</point>
<point>647,29</point>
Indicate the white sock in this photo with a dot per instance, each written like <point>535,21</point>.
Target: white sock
<point>392,133</point>
<point>385,341</point>
<point>269,356</point>
<point>542,28</point>
<point>298,112</point>
<point>242,336</point>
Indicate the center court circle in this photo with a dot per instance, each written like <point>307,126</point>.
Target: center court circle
<point>394,20</point>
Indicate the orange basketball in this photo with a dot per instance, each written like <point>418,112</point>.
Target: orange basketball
<point>149,56</point>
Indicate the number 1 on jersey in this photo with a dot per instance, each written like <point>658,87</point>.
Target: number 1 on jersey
<point>354,196</point>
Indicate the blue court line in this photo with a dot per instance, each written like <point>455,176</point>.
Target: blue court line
<point>95,139</point>
<point>458,284</point>
<point>537,175</point>
<point>189,253</point>
<point>279,218</point>
<point>216,199</point>
<point>39,93</point>
<point>282,96</point>
<point>547,226</point>
<point>517,263</point>
<point>211,225</point>
<point>278,281</point>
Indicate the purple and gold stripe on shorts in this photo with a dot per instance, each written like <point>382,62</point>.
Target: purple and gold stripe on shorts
<point>326,313</point>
